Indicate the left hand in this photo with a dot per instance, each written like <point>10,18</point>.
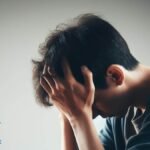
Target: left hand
<point>71,97</point>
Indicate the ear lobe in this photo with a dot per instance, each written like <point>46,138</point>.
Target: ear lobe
<point>115,73</point>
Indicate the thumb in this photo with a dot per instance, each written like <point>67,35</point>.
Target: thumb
<point>89,84</point>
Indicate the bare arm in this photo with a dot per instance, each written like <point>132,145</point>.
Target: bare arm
<point>75,101</point>
<point>85,133</point>
<point>68,141</point>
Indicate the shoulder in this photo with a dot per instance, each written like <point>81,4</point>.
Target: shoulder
<point>141,140</point>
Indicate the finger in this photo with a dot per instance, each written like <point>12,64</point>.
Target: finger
<point>50,71</point>
<point>54,79</point>
<point>58,86</point>
<point>50,82</point>
<point>45,69</point>
<point>67,71</point>
<point>90,97</point>
<point>88,77</point>
<point>56,99</point>
<point>53,94</point>
<point>45,86</point>
<point>52,97</point>
<point>54,91</point>
<point>89,84</point>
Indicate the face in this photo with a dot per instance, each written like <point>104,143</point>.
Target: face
<point>114,100</point>
<point>110,103</point>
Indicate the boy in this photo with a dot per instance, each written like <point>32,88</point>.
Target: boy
<point>87,70</point>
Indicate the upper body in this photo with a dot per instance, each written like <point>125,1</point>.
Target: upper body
<point>87,70</point>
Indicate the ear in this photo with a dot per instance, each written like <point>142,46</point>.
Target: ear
<point>115,75</point>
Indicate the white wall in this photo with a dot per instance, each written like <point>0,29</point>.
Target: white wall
<point>23,26</point>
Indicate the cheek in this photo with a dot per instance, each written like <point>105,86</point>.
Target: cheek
<point>103,107</point>
<point>109,101</point>
<point>110,106</point>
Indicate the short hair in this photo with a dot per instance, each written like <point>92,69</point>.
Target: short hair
<point>89,41</point>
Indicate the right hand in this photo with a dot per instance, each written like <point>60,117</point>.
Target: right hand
<point>73,99</point>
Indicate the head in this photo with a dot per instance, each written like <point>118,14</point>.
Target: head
<point>93,42</point>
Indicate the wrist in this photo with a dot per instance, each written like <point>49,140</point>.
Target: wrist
<point>81,119</point>
<point>63,118</point>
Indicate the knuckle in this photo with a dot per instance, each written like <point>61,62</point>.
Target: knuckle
<point>90,74</point>
<point>92,88</point>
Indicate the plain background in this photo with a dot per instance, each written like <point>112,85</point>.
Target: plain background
<point>24,24</point>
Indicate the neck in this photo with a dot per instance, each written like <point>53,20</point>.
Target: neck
<point>139,83</point>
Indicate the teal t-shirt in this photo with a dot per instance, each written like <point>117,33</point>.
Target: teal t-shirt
<point>131,132</point>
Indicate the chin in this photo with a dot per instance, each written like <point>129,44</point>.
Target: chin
<point>118,115</point>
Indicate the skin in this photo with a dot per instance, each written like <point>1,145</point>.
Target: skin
<point>78,103</point>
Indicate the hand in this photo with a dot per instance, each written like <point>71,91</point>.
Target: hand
<point>71,97</point>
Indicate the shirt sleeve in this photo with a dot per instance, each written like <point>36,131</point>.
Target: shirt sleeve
<point>106,136</point>
<point>141,141</point>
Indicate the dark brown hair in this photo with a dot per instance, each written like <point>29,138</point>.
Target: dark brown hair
<point>89,41</point>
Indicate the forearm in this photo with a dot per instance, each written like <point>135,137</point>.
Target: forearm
<point>68,141</point>
<point>85,134</point>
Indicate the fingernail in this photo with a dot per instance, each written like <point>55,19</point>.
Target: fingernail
<point>44,69</point>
